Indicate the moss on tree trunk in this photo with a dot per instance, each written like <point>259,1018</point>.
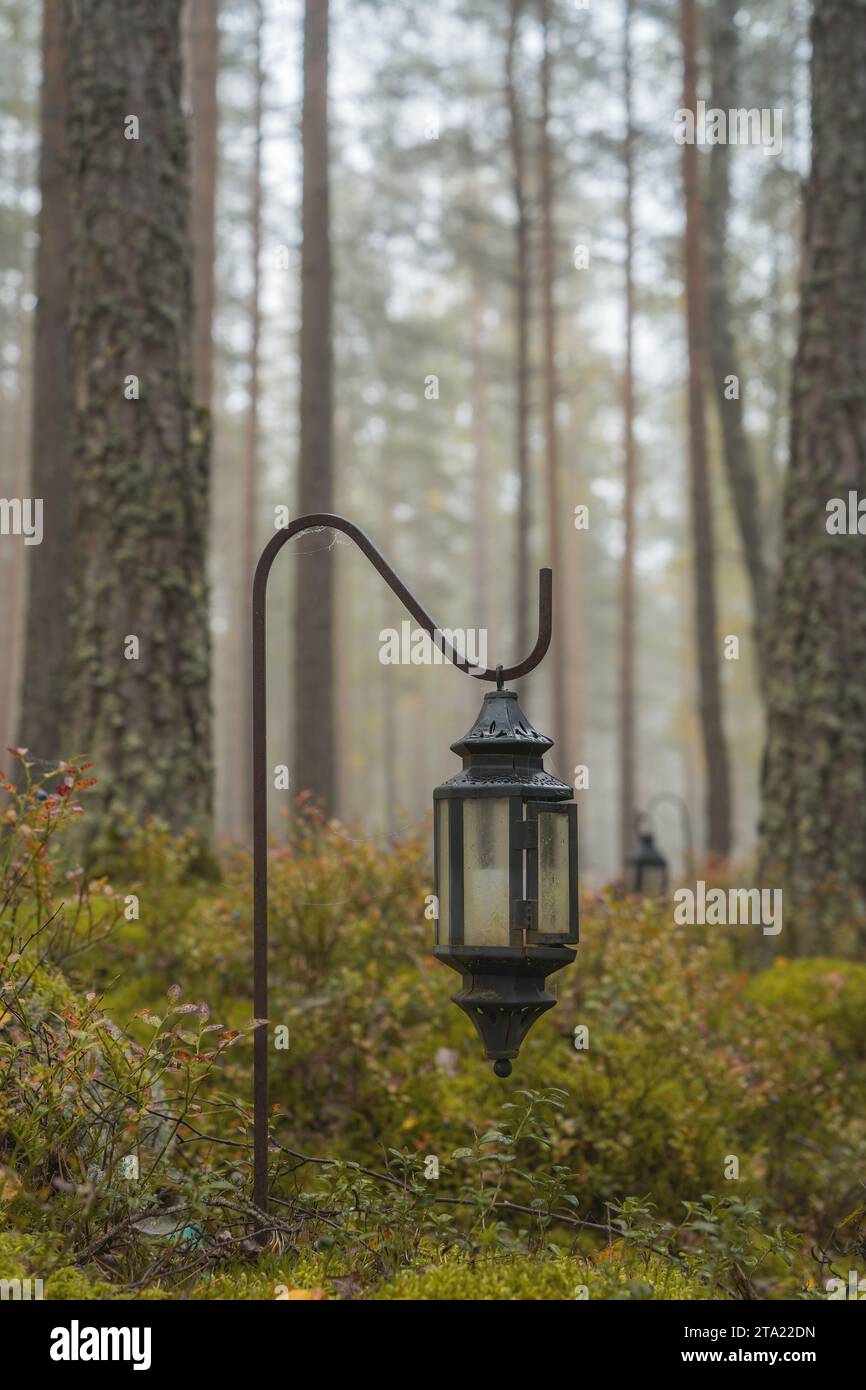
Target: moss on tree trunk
<point>814,786</point>
<point>138,521</point>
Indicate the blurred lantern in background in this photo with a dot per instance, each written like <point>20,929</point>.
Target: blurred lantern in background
<point>505,844</point>
<point>646,869</point>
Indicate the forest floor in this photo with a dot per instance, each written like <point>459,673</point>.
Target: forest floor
<point>686,1123</point>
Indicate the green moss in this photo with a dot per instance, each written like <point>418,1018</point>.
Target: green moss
<point>519,1279</point>
<point>22,1254</point>
<point>270,1278</point>
<point>72,1283</point>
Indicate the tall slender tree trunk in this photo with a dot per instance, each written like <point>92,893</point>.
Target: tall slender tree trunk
<point>202,24</point>
<point>739,463</point>
<point>814,785</point>
<point>484,589</point>
<point>706,618</point>
<point>777,373</point>
<point>343,626</point>
<point>565,615</point>
<point>314,757</point>
<point>627,738</point>
<point>249,529</point>
<point>13,568</point>
<point>44,679</point>
<point>521,330</point>
<point>140,648</point>
<point>389,729</point>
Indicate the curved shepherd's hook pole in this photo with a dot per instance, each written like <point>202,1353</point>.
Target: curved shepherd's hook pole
<point>260,780</point>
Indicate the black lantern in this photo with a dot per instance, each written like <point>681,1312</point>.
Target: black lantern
<point>646,869</point>
<point>505,845</point>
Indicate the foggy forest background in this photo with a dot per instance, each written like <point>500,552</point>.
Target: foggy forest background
<point>508,216</point>
<point>446,269</point>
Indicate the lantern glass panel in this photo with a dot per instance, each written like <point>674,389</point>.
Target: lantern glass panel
<point>554,886</point>
<point>486,907</point>
<point>443,883</point>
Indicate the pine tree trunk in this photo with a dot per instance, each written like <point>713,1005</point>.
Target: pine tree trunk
<point>203,61</point>
<point>12,570</point>
<point>140,498</point>
<point>627,740</point>
<point>481,492</point>
<point>565,615</point>
<point>249,529</point>
<point>521,331</point>
<point>706,618</point>
<point>389,729</point>
<point>43,687</point>
<point>314,731</point>
<point>814,786</point>
<point>739,463</point>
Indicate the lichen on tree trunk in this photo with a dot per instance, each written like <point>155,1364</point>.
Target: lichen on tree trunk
<point>814,784</point>
<point>138,521</point>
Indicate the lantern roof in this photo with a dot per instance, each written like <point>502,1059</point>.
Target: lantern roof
<point>501,726</point>
<point>503,752</point>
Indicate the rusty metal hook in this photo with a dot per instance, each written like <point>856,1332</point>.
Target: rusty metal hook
<point>408,599</point>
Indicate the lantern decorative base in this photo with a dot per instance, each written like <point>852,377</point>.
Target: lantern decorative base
<point>504,992</point>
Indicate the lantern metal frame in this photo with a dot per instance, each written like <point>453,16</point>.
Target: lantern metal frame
<point>504,986</point>
<point>330,521</point>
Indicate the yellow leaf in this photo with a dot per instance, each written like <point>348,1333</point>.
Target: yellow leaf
<point>9,1185</point>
